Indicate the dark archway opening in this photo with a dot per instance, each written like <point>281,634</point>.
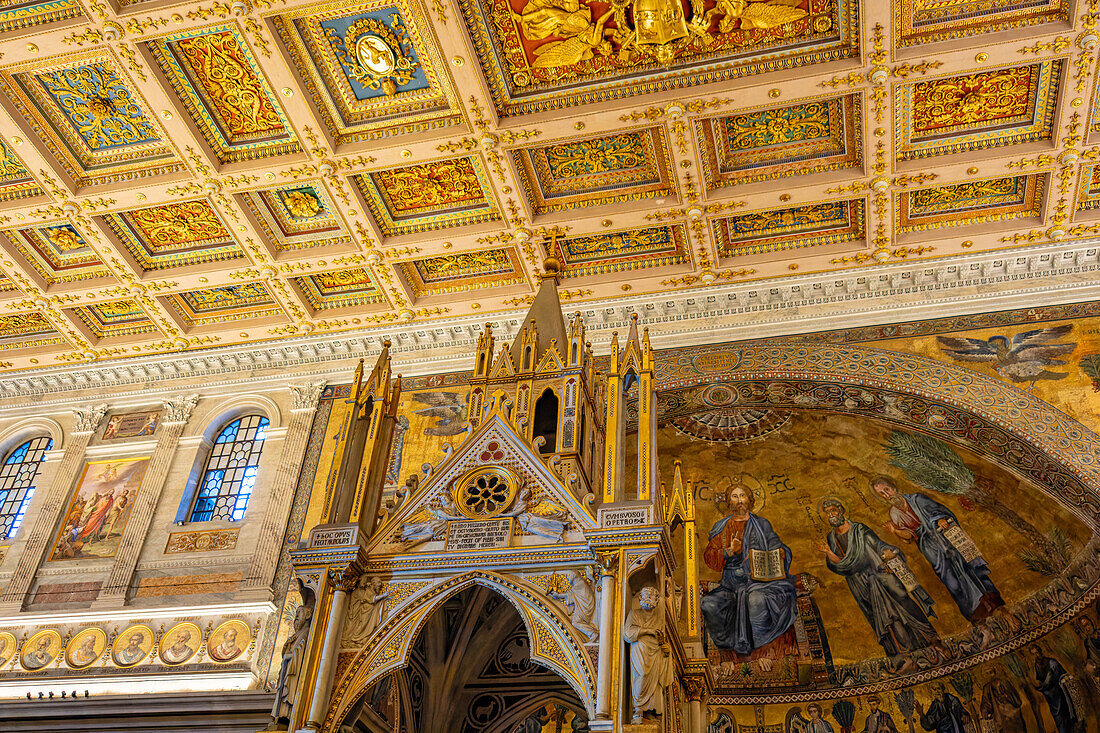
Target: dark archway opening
<point>545,423</point>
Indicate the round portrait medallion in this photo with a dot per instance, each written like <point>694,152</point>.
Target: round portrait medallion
<point>85,647</point>
<point>180,643</point>
<point>132,645</point>
<point>228,641</point>
<point>40,650</point>
<point>8,646</point>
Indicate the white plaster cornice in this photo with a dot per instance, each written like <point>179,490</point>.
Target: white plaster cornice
<point>1048,274</point>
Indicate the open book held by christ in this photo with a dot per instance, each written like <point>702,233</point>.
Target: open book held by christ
<point>767,564</point>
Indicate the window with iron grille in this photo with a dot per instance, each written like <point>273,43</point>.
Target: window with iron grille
<point>230,473</point>
<point>17,478</point>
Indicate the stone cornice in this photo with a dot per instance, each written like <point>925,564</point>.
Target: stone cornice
<point>1048,274</point>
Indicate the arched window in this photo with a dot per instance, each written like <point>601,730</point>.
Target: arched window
<point>546,421</point>
<point>230,473</point>
<point>17,478</point>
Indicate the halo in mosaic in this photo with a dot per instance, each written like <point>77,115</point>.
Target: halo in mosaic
<point>628,249</point>
<point>339,288</point>
<point>462,271</point>
<point>782,230</point>
<point>961,114</point>
<point>296,216</point>
<point>19,15</point>
<point>573,174</point>
<point>15,180</point>
<point>926,21</point>
<point>809,137</point>
<point>114,318</point>
<point>27,330</point>
<point>58,253</point>
<point>538,56</point>
<point>415,198</point>
<point>971,202</point>
<point>99,130</point>
<point>222,86</point>
<point>370,69</point>
<point>235,302</point>
<point>174,235</point>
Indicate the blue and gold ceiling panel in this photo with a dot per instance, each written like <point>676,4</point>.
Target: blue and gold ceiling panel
<point>782,230</point>
<point>58,253</point>
<point>925,21</point>
<point>222,86</point>
<point>210,306</point>
<point>439,195</point>
<point>989,109</point>
<point>15,181</point>
<point>339,289</point>
<point>971,202</point>
<point>178,234</point>
<point>113,319</point>
<point>622,251</point>
<point>573,174</point>
<point>100,130</point>
<point>462,271</point>
<point>539,56</point>
<point>373,69</point>
<point>16,16</point>
<point>799,139</point>
<point>27,331</point>
<point>296,216</point>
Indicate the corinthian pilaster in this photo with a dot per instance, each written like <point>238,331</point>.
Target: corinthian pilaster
<point>269,542</point>
<point>176,413</point>
<point>41,531</point>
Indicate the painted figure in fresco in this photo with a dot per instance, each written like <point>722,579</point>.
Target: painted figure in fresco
<point>229,648</point>
<point>1023,358</point>
<point>180,651</point>
<point>1001,705</point>
<point>1091,641</point>
<point>132,653</point>
<point>871,568</point>
<point>84,654</point>
<point>90,530</point>
<point>816,724</point>
<point>921,519</point>
<point>580,599</point>
<point>286,689</point>
<point>40,657</point>
<point>366,611</point>
<point>744,612</point>
<point>650,656</point>
<point>878,721</point>
<point>1054,682</point>
<point>946,714</point>
<point>117,510</point>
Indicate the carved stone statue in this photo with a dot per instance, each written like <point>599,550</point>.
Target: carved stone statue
<point>549,526</point>
<point>580,598</point>
<point>366,611</point>
<point>432,528</point>
<point>286,690</point>
<point>650,656</point>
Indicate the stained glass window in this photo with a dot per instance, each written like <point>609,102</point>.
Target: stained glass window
<point>230,473</point>
<point>17,478</point>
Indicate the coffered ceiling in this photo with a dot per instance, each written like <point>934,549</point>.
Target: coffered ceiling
<point>176,176</point>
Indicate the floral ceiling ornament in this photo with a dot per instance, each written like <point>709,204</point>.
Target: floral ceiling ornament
<point>376,55</point>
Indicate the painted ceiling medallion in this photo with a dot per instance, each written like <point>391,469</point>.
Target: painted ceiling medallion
<point>971,202</point>
<point>540,54</point>
<point>370,69</point>
<point>925,21</point>
<point>339,289</point>
<point>98,129</point>
<point>630,249</point>
<point>174,235</point>
<point>58,253</point>
<point>297,216</point>
<point>809,137</point>
<point>989,109</point>
<point>211,306</point>
<point>221,84</point>
<point>572,174</point>
<point>802,227</point>
<point>114,319</point>
<point>463,271</point>
<point>439,195</point>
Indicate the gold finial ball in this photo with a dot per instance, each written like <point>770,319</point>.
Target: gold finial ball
<point>385,343</point>
<point>551,266</point>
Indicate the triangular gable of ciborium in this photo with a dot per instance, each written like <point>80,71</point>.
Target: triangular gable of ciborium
<point>494,491</point>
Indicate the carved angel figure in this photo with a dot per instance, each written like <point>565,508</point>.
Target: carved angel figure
<point>366,611</point>
<point>550,526</point>
<point>769,14</point>
<point>580,598</point>
<point>432,528</point>
<point>580,47</point>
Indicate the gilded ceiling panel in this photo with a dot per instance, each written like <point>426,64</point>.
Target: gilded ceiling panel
<point>222,86</point>
<point>174,235</point>
<point>547,54</point>
<point>235,302</point>
<point>761,232</point>
<point>16,16</point>
<point>439,195</point>
<point>971,202</point>
<point>15,180</point>
<point>570,174</point>
<point>27,331</point>
<point>925,21</point>
<point>810,137</point>
<point>462,271</point>
<point>982,110</point>
<point>58,253</point>
<point>1088,192</point>
<point>339,288</point>
<point>114,318</point>
<point>97,127</point>
<point>373,69</point>
<point>630,249</point>
<point>296,216</point>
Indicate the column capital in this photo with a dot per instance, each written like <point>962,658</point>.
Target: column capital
<point>89,418</point>
<point>179,409</point>
<point>305,396</point>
